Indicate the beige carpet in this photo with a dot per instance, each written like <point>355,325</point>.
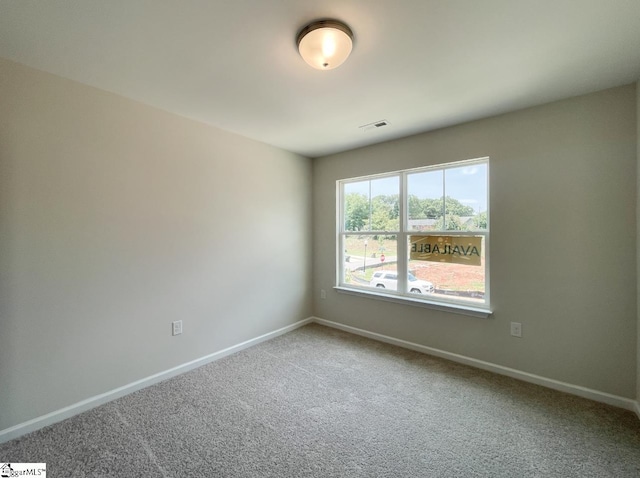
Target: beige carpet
<point>322,403</point>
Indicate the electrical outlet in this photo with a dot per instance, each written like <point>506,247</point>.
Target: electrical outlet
<point>323,294</point>
<point>177,327</point>
<point>516,329</point>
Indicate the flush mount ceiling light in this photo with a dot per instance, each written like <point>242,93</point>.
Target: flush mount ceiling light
<point>325,44</point>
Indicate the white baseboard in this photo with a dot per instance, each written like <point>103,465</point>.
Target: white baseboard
<point>84,405</point>
<point>578,390</point>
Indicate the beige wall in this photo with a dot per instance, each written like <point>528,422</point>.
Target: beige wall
<point>116,219</point>
<point>638,234</point>
<point>563,239</point>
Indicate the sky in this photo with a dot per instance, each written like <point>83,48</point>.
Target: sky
<point>467,184</point>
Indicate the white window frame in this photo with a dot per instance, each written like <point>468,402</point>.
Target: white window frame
<point>402,295</point>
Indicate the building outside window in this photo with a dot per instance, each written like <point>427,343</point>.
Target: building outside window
<point>419,234</point>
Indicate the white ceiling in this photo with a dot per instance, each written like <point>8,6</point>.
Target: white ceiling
<point>419,64</point>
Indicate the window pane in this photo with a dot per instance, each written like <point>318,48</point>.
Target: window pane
<point>364,256</point>
<point>441,266</point>
<point>385,208</point>
<point>424,201</point>
<point>450,280</point>
<point>356,206</point>
<point>466,198</point>
<point>372,205</point>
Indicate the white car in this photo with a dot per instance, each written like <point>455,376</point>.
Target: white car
<point>389,280</point>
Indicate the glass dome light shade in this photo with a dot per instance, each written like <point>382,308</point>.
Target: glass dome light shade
<point>325,44</point>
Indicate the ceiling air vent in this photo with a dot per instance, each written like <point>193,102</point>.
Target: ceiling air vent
<point>374,125</point>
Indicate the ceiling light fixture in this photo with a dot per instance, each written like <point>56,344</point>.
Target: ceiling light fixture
<point>325,44</point>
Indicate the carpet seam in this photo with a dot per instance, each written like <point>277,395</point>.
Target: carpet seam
<point>142,442</point>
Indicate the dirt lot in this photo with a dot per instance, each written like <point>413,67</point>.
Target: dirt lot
<point>469,280</point>
<point>450,276</point>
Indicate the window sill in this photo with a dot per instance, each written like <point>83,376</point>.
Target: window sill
<point>460,309</point>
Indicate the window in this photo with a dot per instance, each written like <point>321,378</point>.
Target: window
<point>420,235</point>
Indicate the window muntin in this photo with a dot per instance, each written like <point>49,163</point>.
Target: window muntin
<point>375,228</point>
